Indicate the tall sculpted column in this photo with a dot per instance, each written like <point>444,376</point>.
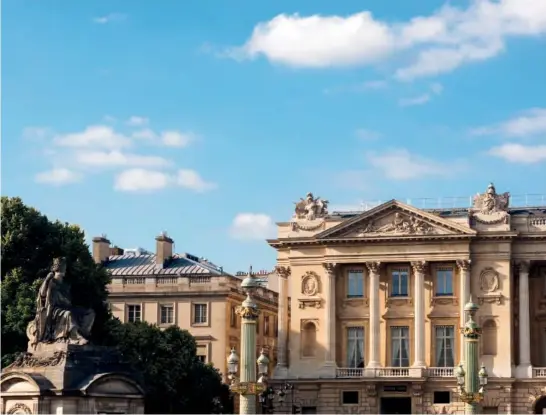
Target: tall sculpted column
<point>524,367</point>
<point>331,321</point>
<point>464,272</point>
<point>281,369</point>
<point>419,270</point>
<point>373,273</point>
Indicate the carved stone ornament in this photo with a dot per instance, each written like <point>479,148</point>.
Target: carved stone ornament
<point>490,207</point>
<point>419,267</point>
<point>443,301</point>
<point>464,264</point>
<point>19,408</point>
<point>309,213</point>
<point>28,360</point>
<point>330,267</point>
<point>310,283</point>
<point>402,224</point>
<point>371,390</point>
<point>355,302</point>
<point>417,389</point>
<point>373,267</point>
<point>283,272</point>
<point>248,312</point>
<point>489,280</point>
<point>490,299</point>
<point>310,302</point>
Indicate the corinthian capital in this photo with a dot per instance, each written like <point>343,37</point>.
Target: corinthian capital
<point>419,267</point>
<point>284,272</point>
<point>330,267</point>
<point>464,264</point>
<point>523,266</point>
<point>373,267</point>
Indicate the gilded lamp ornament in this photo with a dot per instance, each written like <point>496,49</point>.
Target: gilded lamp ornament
<point>471,381</point>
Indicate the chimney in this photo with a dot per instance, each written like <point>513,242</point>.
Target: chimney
<point>101,249</point>
<point>163,248</point>
<point>116,250</point>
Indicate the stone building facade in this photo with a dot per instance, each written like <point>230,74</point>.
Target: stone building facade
<point>167,288</point>
<point>377,302</point>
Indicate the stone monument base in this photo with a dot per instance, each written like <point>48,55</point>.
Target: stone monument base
<point>61,378</point>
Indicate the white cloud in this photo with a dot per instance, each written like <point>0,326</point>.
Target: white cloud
<point>116,158</point>
<point>435,44</point>
<point>137,121</point>
<point>97,136</point>
<point>529,123</point>
<point>176,138</point>
<point>252,226</point>
<point>36,133</point>
<point>402,165</point>
<point>367,135</point>
<point>417,100</point>
<point>58,177</point>
<point>109,18</point>
<point>145,134</point>
<point>190,179</point>
<point>517,153</point>
<point>141,180</point>
<point>375,84</point>
<point>436,88</point>
<point>109,119</point>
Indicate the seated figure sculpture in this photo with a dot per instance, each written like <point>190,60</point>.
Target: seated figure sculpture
<point>56,320</point>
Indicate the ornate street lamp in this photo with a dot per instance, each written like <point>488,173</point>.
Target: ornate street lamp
<point>246,386</point>
<point>471,381</point>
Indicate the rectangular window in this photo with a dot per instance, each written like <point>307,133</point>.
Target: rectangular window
<point>444,282</point>
<point>400,283</point>
<point>355,284</point>
<point>400,346</point>
<point>350,398</point>
<point>233,317</point>
<point>133,313</point>
<point>441,397</point>
<point>266,325</point>
<point>167,314</point>
<point>355,347</point>
<point>445,340</point>
<point>202,353</point>
<point>199,313</point>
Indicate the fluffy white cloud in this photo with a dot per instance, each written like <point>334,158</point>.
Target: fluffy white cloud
<point>109,18</point>
<point>176,138</point>
<point>439,43</point>
<point>57,177</point>
<point>96,136</point>
<point>137,121</point>
<point>517,153</point>
<point>116,158</point>
<point>190,179</point>
<point>402,165</point>
<point>529,123</point>
<point>418,100</point>
<point>252,226</point>
<point>141,180</point>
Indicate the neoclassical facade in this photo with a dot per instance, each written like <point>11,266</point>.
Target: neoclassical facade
<point>377,301</point>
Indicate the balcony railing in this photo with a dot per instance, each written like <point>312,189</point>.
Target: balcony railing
<point>539,372</point>
<point>392,372</point>
<point>440,372</point>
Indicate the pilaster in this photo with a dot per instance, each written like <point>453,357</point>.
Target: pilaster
<point>524,368</point>
<point>281,369</point>
<point>329,368</point>
<point>419,269</point>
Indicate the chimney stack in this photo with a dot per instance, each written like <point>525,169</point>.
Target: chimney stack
<point>164,248</point>
<point>101,249</point>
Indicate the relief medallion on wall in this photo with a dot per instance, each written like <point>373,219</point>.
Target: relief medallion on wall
<point>19,408</point>
<point>310,288</point>
<point>489,286</point>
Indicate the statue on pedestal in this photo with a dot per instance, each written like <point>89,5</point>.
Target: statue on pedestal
<point>56,320</point>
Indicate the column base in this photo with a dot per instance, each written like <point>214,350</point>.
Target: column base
<point>524,371</point>
<point>328,370</point>
<point>280,372</point>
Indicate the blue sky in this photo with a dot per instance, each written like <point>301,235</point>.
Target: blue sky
<point>209,119</point>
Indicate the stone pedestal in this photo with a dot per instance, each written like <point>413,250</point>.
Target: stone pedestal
<point>63,378</point>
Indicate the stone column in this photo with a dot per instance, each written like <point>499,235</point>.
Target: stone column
<point>524,369</point>
<point>281,369</point>
<point>330,364</point>
<point>464,284</point>
<point>373,295</point>
<point>419,269</point>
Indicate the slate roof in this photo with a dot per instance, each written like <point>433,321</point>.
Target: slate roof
<point>145,264</point>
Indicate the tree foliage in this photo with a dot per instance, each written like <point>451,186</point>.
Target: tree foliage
<point>175,380</point>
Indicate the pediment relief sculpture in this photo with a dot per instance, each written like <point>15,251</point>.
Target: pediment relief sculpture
<point>490,207</point>
<point>310,284</point>
<point>489,280</point>
<point>398,224</point>
<point>309,213</point>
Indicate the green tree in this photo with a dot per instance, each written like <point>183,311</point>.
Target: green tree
<point>29,243</point>
<point>175,381</point>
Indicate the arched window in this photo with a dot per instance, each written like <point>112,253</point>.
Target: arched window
<point>489,338</point>
<point>309,339</point>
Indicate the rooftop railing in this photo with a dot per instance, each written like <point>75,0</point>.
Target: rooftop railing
<point>461,202</point>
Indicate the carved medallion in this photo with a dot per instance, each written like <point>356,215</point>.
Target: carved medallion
<point>19,408</point>
<point>310,283</point>
<point>490,207</point>
<point>489,280</point>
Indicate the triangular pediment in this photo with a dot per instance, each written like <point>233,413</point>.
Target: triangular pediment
<point>395,219</point>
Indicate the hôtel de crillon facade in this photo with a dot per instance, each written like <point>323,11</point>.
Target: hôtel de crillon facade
<point>377,303</point>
